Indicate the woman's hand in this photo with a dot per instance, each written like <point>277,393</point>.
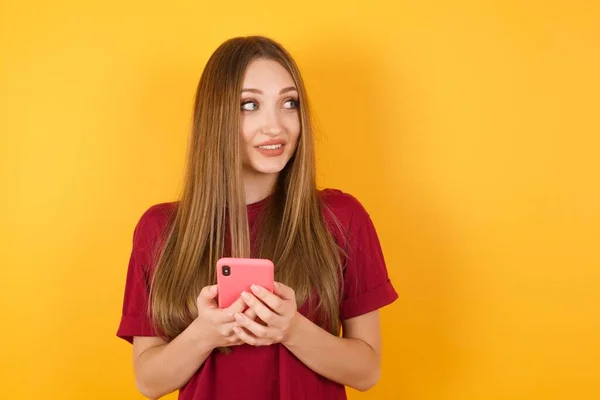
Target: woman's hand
<point>215,325</point>
<point>277,310</point>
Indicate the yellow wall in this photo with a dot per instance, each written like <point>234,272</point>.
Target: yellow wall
<point>470,132</point>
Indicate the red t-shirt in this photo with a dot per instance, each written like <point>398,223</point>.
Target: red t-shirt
<point>267,372</point>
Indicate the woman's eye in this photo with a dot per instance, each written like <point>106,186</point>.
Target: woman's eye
<point>249,105</point>
<point>291,103</point>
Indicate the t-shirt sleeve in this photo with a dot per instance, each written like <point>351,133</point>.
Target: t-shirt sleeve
<point>135,320</point>
<point>367,286</point>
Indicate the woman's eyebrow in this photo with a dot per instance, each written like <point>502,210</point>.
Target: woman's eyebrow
<point>282,91</point>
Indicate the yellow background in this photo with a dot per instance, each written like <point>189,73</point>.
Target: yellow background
<point>469,131</point>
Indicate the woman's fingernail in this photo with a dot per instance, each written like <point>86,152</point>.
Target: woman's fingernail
<point>245,295</point>
<point>238,317</point>
<point>255,288</point>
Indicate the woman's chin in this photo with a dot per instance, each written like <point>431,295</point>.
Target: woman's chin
<point>268,168</point>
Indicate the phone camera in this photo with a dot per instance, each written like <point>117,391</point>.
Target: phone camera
<point>226,270</point>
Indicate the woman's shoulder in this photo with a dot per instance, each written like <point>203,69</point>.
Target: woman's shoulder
<point>345,207</point>
<point>158,214</point>
<point>152,223</point>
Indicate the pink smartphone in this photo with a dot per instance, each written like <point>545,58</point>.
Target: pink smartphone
<point>235,275</point>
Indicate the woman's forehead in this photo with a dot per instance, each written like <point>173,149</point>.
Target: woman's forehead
<point>267,76</point>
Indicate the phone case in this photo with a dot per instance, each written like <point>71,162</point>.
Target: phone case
<point>235,275</point>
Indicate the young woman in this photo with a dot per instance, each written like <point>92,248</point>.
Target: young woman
<point>250,191</point>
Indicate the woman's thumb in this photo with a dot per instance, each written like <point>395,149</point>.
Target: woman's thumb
<point>208,293</point>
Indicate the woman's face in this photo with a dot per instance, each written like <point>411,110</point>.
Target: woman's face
<point>270,117</point>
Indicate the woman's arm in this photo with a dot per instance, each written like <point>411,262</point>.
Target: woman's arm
<point>353,360</point>
<point>161,368</point>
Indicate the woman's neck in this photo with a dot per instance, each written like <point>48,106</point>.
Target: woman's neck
<point>257,185</point>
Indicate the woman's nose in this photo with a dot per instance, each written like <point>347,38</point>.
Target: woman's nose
<point>271,122</point>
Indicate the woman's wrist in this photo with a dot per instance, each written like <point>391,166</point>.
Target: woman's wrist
<point>200,337</point>
<point>296,326</point>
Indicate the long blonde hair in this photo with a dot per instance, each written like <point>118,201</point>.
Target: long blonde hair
<point>292,230</point>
